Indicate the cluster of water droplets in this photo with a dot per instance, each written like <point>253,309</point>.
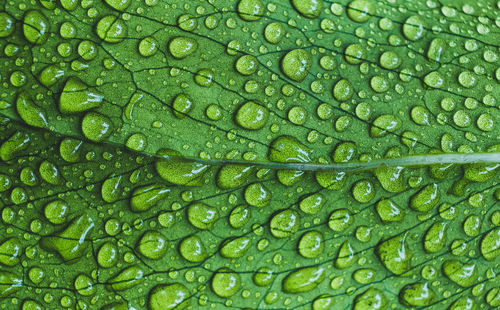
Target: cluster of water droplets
<point>124,122</point>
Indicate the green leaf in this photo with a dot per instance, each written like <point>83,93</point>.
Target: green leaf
<point>249,154</point>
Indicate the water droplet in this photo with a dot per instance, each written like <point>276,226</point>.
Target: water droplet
<point>274,32</point>
<point>346,256</point>
<point>303,280</point>
<point>50,173</point>
<point>119,5</point>
<point>414,28</point>
<point>18,79</point>
<point>379,84</point>
<point>181,47</point>
<point>87,50</point>
<point>187,22</point>
<point>364,275</point>
<point>247,65</point>
<point>177,171</point>
<point>328,62</point>
<point>233,176</point>
<point>312,204</point>
<point>472,225</point>
<point>360,10</point>
<point>18,195</point>
<point>420,115</point>
<point>308,8</point>
<point>50,75</point>
<point>169,296</point>
<point>84,285</point>
<point>354,54</point>
<point>434,80</point>
<point>343,90</point>
<point>69,5</point>
<point>71,243</point>
<point>311,244</point>
<point>77,97</point>
<point>324,111</point>
<point>263,276</point>
<point>5,182</point>
<point>384,124</point>
<point>225,282</point>
<point>297,115</point>
<point>239,216</point>
<point>461,118</point>
<point>11,249</point>
<point>56,211</point>
<point>10,283</point>
<point>371,299</point>
<point>204,77</point>
<point>435,237</point>
<point>395,254</point>
<point>250,10</point>
<point>235,247</point>
<point>36,27</point>
<point>284,223</point>
<point>127,278</point>
<point>460,273</point>
<point>111,29</point>
<point>69,149</point>
<point>29,112</point>
<point>467,79</point>
<point>296,64</point>
<point>214,112</point>
<point>485,122</point>
<point>436,50</point>
<point>340,220</point>
<point>145,197</point>
<point>192,249</point>
<point>390,60</point>
<point>493,297</point>
<point>323,302</point>
<point>426,198</point>
<point>211,22</point>
<point>417,294</point>
<point>328,25</point>
<point>252,115</point>
<point>7,24</point>
<point>148,47</point>
<point>490,245</point>
<point>29,304</point>
<point>67,30</point>
<point>96,127</point>
<point>16,143</point>
<point>136,142</point>
<point>182,105</point>
<point>201,215</point>
<point>363,191</point>
<point>463,303</point>
<point>153,245</point>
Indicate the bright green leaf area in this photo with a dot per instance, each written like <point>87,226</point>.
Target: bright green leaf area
<point>251,154</point>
